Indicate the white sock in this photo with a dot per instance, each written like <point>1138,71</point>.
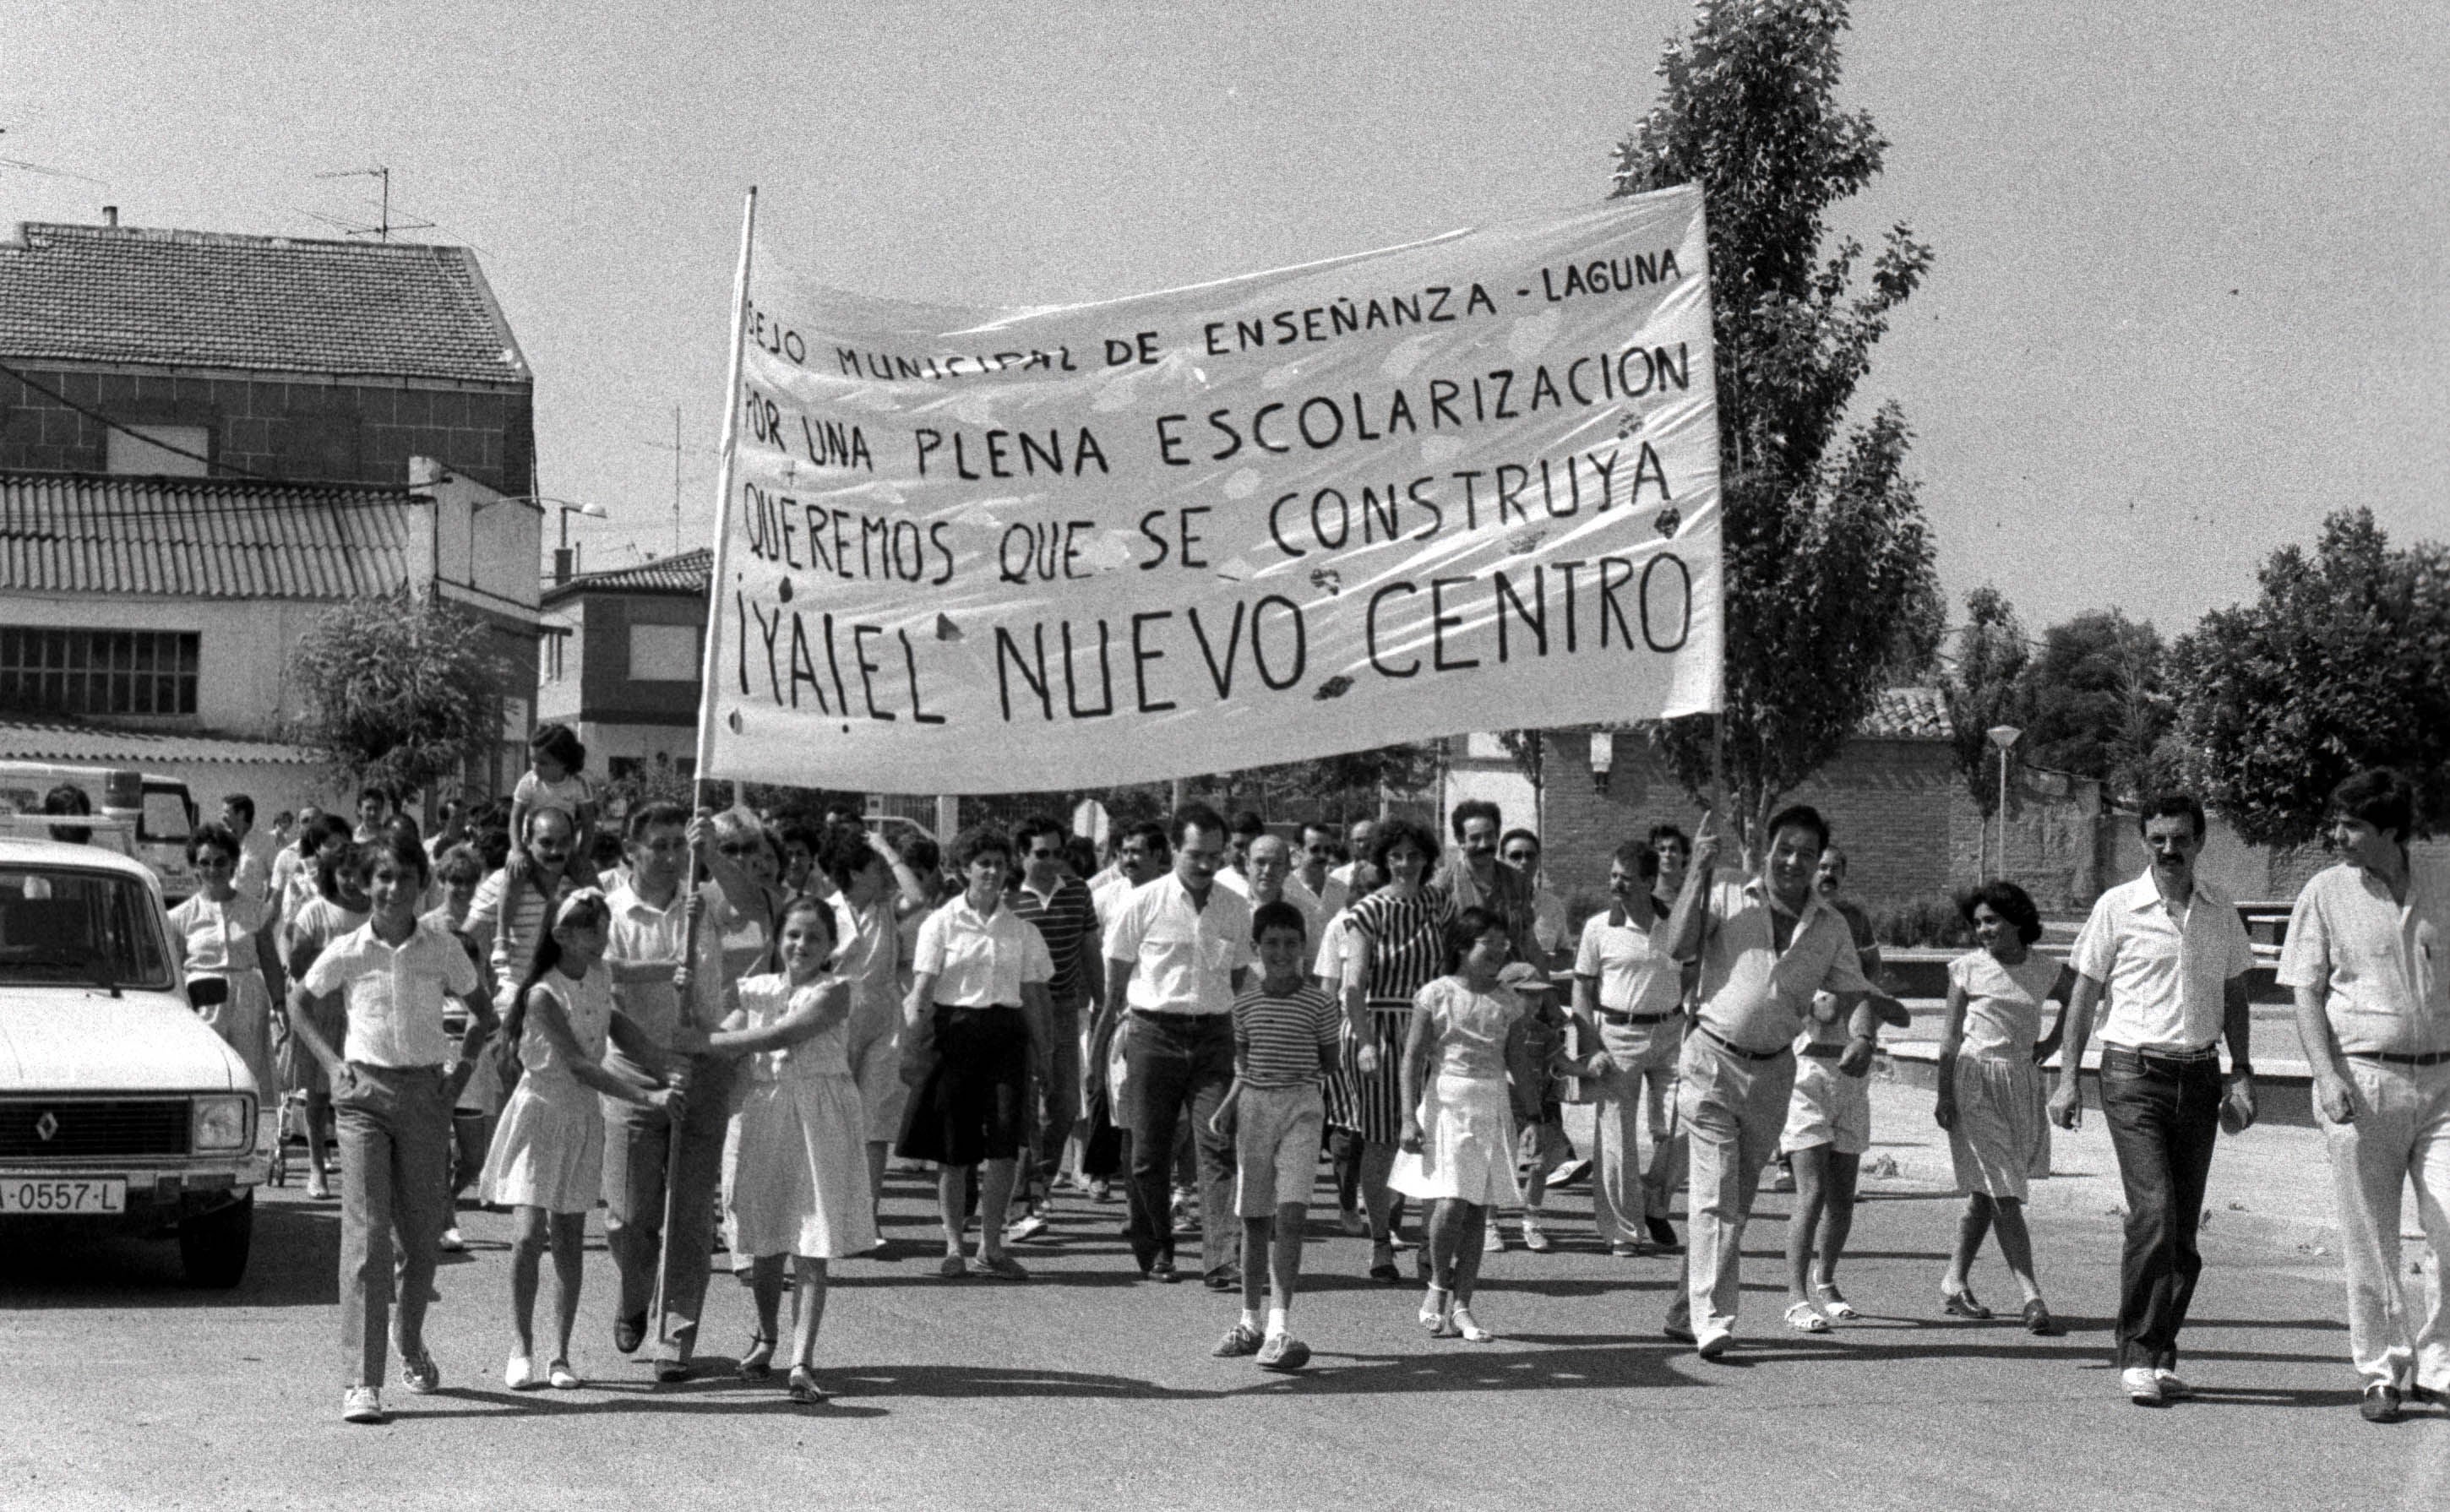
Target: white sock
<point>1276,1326</point>
<point>1251,1319</point>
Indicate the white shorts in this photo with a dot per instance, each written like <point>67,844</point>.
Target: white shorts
<point>1827,1108</point>
<point>1276,1135</point>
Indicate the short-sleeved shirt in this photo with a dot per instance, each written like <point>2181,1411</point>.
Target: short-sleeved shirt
<point>641,934</point>
<point>1304,902</point>
<point>571,793</point>
<point>1069,920</point>
<point>218,939</point>
<point>510,922</point>
<point>867,955</point>
<point>320,921</point>
<point>2379,963</point>
<point>2003,1004</point>
<point>1467,1029</point>
<point>980,959</point>
<point>1631,963</point>
<point>2166,981</point>
<point>1756,996</point>
<point>1183,958</point>
<point>1280,1036</point>
<point>396,995</point>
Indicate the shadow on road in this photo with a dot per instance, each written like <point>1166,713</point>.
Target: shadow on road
<point>294,1262</point>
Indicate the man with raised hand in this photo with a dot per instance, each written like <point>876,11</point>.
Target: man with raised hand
<point>1767,945</point>
<point>2368,958</point>
<point>2174,956</point>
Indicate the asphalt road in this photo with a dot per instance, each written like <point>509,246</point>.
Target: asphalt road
<point>1087,1387</point>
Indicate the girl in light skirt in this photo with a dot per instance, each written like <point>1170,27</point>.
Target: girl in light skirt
<point>546,1161</point>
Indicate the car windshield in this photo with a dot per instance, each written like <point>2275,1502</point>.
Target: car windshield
<point>60,927</point>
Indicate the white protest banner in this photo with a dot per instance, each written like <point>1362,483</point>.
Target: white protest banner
<point>1470,484</point>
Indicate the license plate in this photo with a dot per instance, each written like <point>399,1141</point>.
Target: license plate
<point>73,1194</point>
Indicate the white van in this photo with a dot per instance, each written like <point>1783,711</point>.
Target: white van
<point>160,807</point>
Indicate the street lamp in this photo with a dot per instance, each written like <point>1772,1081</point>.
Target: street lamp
<point>2004,737</point>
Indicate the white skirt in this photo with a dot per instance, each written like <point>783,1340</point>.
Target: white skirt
<point>795,1171</point>
<point>1467,1145</point>
<point>547,1148</point>
<point>2002,1138</point>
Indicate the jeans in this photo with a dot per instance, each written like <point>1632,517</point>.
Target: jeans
<point>1732,1108</point>
<point>1635,1149</point>
<point>1178,1067</point>
<point>394,1127</point>
<point>2162,1116</point>
<point>638,1145</point>
<point>2401,1131</point>
<point>1059,1099</point>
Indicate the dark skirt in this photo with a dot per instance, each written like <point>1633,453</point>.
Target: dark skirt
<point>972,1103</point>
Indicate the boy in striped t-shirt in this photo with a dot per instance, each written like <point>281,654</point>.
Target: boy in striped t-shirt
<point>1286,1040</point>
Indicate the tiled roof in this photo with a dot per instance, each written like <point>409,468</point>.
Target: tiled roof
<point>195,537</point>
<point>1908,713</point>
<point>687,572</point>
<point>27,741</point>
<point>198,298</point>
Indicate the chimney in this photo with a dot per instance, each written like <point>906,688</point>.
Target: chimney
<point>110,215</point>
<point>562,566</point>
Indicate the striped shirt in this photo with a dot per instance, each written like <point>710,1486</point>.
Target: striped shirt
<point>1279,1037</point>
<point>1407,942</point>
<point>1069,920</point>
<point>510,932</point>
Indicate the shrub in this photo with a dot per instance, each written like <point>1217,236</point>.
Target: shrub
<point>1927,921</point>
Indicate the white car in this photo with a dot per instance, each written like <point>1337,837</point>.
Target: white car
<point>118,1105</point>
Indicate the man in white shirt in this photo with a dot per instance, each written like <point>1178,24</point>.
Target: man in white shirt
<point>1627,986</point>
<point>2174,956</point>
<point>1314,868</point>
<point>1141,858</point>
<point>1520,849</point>
<point>1272,879</point>
<point>1176,952</point>
<point>2369,960</point>
<point>254,876</point>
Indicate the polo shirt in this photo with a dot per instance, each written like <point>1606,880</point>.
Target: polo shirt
<point>1280,1036</point>
<point>1630,965</point>
<point>396,995</point>
<point>2166,977</point>
<point>1756,996</point>
<point>2378,962</point>
<point>1183,958</point>
<point>1068,919</point>
<point>980,959</point>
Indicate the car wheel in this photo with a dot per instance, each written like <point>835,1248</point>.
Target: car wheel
<point>213,1246</point>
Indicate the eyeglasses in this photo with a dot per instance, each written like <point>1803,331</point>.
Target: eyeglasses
<point>748,847</point>
<point>1521,858</point>
<point>1035,854</point>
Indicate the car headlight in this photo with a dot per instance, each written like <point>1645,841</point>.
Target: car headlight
<point>223,1125</point>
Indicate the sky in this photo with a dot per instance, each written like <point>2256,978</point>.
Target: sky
<point>2191,292</point>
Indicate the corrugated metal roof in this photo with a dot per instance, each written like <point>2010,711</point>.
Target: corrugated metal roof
<point>195,537</point>
<point>687,572</point>
<point>200,299</point>
<point>29,740</point>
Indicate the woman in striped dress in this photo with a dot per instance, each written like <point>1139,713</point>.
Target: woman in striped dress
<point>1397,946</point>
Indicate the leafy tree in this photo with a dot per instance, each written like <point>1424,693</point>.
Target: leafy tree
<point>2092,700</point>
<point>1827,553</point>
<point>2343,663</point>
<point>400,690</point>
<point>1986,687</point>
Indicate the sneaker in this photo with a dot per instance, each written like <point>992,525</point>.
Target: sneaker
<point>2170,1386</point>
<point>452,1242</point>
<point>1283,1352</point>
<point>2142,1386</point>
<point>420,1375</point>
<point>1536,1238</point>
<point>1238,1341</point>
<point>1101,1190</point>
<point>520,1374</point>
<point>363,1405</point>
<point>319,1189</point>
<point>1493,1242</point>
<point>2380,1405</point>
<point>1029,1226</point>
<point>1714,1346</point>
<point>1227,1277</point>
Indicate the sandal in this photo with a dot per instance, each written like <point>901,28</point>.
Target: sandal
<point>1470,1331</point>
<point>758,1363</point>
<point>562,1377</point>
<point>1805,1318</point>
<point>1961,1305</point>
<point>2039,1320</point>
<point>804,1387</point>
<point>1831,1304</point>
<point>1435,1304</point>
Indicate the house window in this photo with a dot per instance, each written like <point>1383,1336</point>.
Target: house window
<point>91,671</point>
<point>160,451</point>
<point>663,653</point>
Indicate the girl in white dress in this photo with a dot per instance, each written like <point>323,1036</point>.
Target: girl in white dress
<point>1990,1050</point>
<point>230,963</point>
<point>547,1158</point>
<point>795,1160</point>
<point>1457,1146</point>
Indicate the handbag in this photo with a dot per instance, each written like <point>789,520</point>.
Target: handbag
<point>207,992</point>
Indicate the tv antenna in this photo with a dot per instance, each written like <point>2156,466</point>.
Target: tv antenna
<point>679,449</point>
<point>382,228</point>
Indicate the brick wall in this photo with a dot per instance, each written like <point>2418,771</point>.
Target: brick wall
<point>350,431</point>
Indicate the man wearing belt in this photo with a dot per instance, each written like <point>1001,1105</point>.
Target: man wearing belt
<point>1765,945</point>
<point>650,928</point>
<point>2369,958</point>
<point>1626,987</point>
<point>2174,956</point>
<point>1176,952</point>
